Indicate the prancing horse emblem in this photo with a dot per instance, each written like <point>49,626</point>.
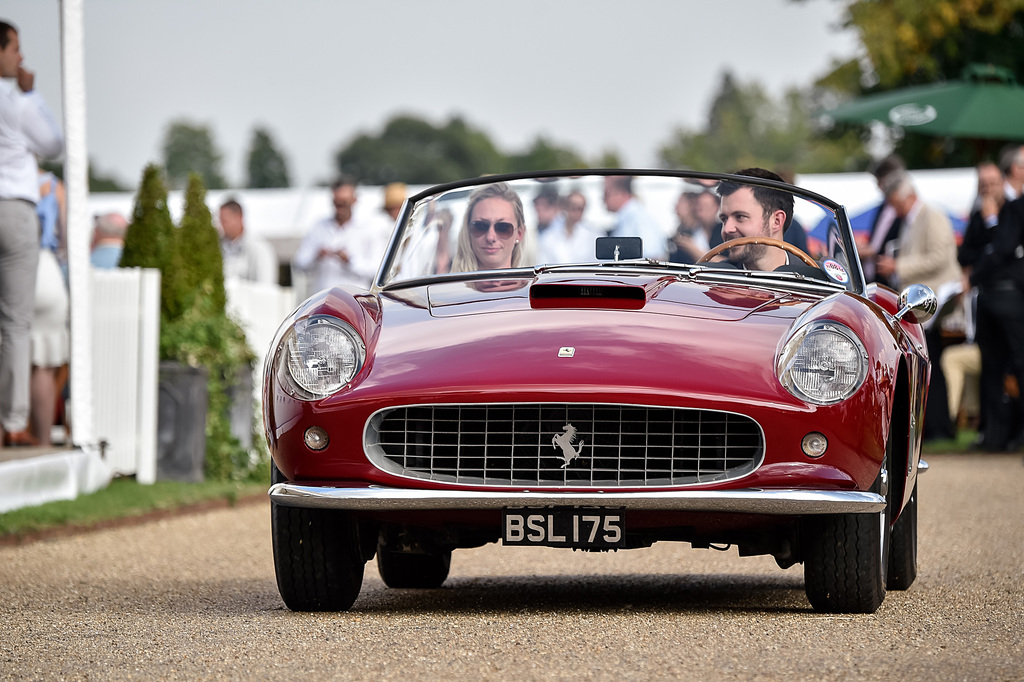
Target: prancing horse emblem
<point>565,441</point>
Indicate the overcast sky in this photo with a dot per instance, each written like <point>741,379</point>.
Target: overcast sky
<point>593,74</point>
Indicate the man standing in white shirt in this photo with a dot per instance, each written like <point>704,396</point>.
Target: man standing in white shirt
<point>27,130</point>
<point>341,249</point>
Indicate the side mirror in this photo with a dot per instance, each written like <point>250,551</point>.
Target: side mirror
<point>920,300</point>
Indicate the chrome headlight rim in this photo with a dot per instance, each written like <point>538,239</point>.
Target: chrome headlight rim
<point>791,353</point>
<point>299,387</point>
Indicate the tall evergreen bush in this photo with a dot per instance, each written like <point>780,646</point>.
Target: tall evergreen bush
<point>194,326</point>
<point>149,241</point>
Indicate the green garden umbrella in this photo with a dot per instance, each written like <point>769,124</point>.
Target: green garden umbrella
<point>985,104</point>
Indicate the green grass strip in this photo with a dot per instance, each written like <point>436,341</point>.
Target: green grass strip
<point>123,498</point>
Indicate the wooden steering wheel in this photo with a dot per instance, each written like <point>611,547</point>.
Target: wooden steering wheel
<point>768,241</point>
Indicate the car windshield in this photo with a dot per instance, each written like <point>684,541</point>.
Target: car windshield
<point>679,222</point>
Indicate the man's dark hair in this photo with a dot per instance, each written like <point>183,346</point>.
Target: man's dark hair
<point>344,181</point>
<point>6,29</point>
<point>888,165</point>
<point>233,205</point>
<point>771,200</point>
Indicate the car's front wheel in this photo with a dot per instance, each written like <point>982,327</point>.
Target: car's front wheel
<point>408,570</point>
<point>316,556</point>
<point>847,556</point>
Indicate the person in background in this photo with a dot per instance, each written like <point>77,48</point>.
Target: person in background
<point>705,208</point>
<point>51,346</point>
<point>961,363</point>
<point>27,130</point>
<point>394,197</point>
<point>246,256</point>
<point>998,275</point>
<point>547,207</point>
<point>51,342</point>
<point>569,240</point>
<point>631,218</point>
<point>927,255</point>
<point>51,210</point>
<point>107,240</point>
<point>689,242</point>
<point>341,249</point>
<point>885,229</point>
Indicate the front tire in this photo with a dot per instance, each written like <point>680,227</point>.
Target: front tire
<point>408,570</point>
<point>847,557</point>
<point>316,556</point>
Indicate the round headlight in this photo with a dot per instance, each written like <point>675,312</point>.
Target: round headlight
<point>823,363</point>
<point>321,354</point>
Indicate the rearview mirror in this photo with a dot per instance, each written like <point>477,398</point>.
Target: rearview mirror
<point>619,248</point>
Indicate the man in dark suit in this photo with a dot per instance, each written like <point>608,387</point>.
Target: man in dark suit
<point>998,273</point>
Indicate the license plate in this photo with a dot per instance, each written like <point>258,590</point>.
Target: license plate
<point>577,527</point>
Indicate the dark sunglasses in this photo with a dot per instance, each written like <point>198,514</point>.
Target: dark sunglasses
<point>502,229</point>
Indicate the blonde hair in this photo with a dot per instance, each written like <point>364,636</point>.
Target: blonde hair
<point>465,260</point>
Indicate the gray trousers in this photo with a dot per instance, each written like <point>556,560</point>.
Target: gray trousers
<point>19,257</point>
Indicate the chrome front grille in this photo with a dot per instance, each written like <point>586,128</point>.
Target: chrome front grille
<point>533,445</point>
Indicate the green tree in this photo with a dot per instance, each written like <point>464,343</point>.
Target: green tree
<point>746,127</point>
<point>914,42</point>
<point>544,154</point>
<point>149,240</point>
<point>267,166</point>
<point>190,148</point>
<point>199,265</point>
<point>414,151</point>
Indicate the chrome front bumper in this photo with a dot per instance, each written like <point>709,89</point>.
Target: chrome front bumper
<point>749,501</point>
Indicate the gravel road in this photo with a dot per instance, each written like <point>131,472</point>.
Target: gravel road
<point>195,597</point>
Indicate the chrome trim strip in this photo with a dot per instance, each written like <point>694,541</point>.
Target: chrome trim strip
<point>745,501</point>
<point>922,466</point>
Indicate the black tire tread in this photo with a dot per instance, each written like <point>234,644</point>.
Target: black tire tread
<point>316,557</point>
<point>842,572</point>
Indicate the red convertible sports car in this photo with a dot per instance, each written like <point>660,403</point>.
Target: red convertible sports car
<point>597,378</point>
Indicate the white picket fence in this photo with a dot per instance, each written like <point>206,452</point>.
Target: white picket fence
<point>125,345</point>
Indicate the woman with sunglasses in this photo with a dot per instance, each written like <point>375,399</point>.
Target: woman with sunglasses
<point>493,233</point>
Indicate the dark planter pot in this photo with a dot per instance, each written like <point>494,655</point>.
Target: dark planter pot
<point>181,423</point>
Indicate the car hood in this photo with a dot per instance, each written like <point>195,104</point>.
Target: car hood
<point>655,335</point>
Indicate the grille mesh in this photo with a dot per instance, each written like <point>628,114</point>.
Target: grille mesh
<point>528,444</point>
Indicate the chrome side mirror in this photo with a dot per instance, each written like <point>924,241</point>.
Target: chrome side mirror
<point>920,300</point>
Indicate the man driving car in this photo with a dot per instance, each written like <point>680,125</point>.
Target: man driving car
<point>753,211</point>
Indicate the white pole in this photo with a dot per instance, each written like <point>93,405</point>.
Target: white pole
<point>79,224</point>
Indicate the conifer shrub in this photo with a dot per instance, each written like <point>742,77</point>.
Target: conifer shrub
<point>195,328</point>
